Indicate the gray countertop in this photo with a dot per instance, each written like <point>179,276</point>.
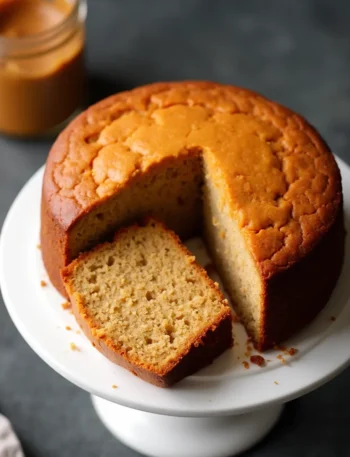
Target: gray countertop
<point>297,53</point>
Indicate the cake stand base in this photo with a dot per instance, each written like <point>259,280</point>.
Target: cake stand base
<point>169,436</point>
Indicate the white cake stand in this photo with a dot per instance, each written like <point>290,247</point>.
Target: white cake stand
<point>222,410</point>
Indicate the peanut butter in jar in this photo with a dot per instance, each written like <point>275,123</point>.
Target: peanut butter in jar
<point>42,77</point>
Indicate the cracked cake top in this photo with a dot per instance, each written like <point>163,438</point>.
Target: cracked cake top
<point>280,181</point>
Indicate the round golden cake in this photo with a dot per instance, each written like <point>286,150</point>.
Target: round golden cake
<point>254,178</point>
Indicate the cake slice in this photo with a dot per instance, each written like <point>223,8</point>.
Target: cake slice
<point>148,306</point>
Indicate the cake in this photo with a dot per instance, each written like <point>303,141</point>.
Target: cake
<point>147,305</point>
<point>254,178</point>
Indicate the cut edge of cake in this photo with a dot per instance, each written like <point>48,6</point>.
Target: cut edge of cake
<point>201,348</point>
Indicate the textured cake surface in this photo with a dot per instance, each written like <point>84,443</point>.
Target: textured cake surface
<point>146,304</point>
<point>264,168</point>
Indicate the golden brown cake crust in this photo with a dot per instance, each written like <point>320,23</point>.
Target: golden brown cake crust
<point>281,181</point>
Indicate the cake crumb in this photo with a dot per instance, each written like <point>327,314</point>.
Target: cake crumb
<point>68,327</point>
<point>38,246</point>
<point>43,283</point>
<point>66,305</point>
<point>292,351</point>
<point>258,360</point>
<point>332,318</point>
<point>275,382</point>
<point>78,332</point>
<point>281,359</point>
<point>74,347</point>
<point>246,365</point>
<point>248,351</point>
<point>114,386</point>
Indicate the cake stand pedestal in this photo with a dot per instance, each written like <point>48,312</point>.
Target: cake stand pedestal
<point>168,436</point>
<point>220,411</point>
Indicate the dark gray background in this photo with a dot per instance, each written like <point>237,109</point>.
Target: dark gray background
<point>296,52</point>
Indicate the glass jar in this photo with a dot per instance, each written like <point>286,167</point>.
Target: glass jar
<point>42,74</point>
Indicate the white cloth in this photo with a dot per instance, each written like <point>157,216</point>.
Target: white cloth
<point>9,444</point>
